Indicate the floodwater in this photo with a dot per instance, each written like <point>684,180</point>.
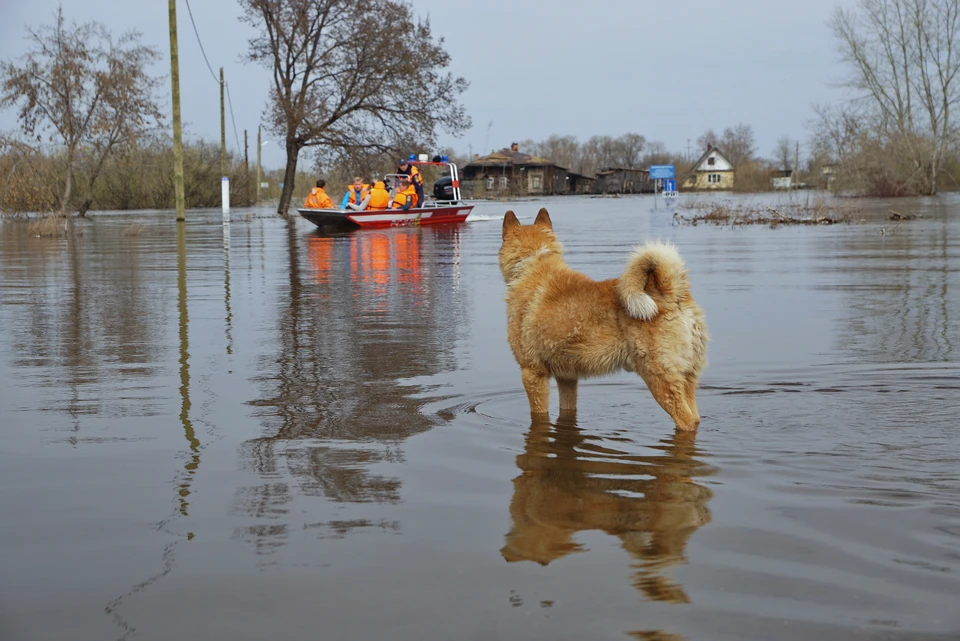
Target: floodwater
<point>257,431</point>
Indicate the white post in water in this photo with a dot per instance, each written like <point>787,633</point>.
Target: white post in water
<point>225,197</point>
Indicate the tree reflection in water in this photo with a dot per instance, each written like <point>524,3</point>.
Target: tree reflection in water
<point>363,312</point>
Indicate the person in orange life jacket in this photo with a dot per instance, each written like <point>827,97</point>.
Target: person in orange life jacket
<point>357,196</point>
<point>406,195</point>
<point>379,196</point>
<point>416,178</point>
<point>318,198</point>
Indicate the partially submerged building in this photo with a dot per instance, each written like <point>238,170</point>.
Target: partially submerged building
<point>510,171</point>
<point>712,172</point>
<point>514,172</point>
<point>622,180</point>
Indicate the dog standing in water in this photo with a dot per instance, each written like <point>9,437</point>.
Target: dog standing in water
<point>564,325</point>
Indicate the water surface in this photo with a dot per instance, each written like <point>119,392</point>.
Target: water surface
<point>256,430</point>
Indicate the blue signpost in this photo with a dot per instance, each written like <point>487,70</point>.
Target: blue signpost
<point>664,177</point>
<point>662,172</point>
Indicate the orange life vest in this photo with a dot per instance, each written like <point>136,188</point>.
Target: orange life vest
<point>379,196</point>
<point>318,199</point>
<point>401,198</point>
<point>364,191</point>
<point>416,178</point>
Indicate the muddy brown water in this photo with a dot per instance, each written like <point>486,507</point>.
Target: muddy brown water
<point>257,431</point>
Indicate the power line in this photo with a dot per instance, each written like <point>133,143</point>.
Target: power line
<point>197,33</point>
<point>230,102</point>
<point>215,79</point>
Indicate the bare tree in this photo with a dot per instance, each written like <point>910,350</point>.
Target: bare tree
<point>708,139</point>
<point>84,91</point>
<point>738,143</point>
<point>656,154</point>
<point>530,146</point>
<point>783,153</point>
<point>588,156</point>
<point>864,160</point>
<point>903,57</point>
<point>838,132</point>
<point>599,152</point>
<point>563,150</point>
<point>596,153</point>
<point>627,150</point>
<point>351,76</point>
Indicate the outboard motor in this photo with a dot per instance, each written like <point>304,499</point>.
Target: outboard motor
<point>443,188</point>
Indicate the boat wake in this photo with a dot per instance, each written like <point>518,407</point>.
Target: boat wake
<point>477,218</point>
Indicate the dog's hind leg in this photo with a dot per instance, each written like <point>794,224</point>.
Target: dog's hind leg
<point>568,394</point>
<point>537,384</point>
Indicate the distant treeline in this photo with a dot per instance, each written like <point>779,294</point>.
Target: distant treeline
<point>140,178</point>
<point>634,151</point>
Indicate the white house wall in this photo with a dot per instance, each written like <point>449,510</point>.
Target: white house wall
<point>719,163</point>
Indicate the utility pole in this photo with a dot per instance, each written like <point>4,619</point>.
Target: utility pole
<point>258,165</point>
<point>224,179</point>
<point>796,165</point>
<point>223,130</point>
<point>175,99</point>
<point>246,171</point>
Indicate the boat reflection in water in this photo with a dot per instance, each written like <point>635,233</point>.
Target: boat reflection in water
<point>370,255</point>
<point>363,314</point>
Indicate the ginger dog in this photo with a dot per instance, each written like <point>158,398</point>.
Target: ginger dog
<point>564,325</point>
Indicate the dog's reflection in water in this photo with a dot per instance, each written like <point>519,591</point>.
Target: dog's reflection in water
<point>569,481</point>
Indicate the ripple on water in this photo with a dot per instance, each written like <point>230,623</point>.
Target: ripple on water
<point>819,508</point>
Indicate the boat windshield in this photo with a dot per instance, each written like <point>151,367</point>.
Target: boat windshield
<point>393,180</point>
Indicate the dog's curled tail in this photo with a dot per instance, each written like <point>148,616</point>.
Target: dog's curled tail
<point>655,274</point>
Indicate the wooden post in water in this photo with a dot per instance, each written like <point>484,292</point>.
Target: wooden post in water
<point>224,180</point>
<point>796,167</point>
<point>246,170</point>
<point>258,165</point>
<point>175,99</point>
<point>223,130</point>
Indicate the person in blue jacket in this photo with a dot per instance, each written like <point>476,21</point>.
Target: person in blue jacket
<point>357,196</point>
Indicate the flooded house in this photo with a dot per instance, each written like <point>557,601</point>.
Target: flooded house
<point>828,175</point>
<point>513,172</point>
<point>713,171</point>
<point>782,179</point>
<point>580,183</point>
<point>623,180</point>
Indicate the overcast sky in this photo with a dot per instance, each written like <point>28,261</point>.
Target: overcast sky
<point>667,70</point>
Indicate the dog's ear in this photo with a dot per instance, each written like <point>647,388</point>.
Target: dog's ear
<point>509,222</point>
<point>543,219</point>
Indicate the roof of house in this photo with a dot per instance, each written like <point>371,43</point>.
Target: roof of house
<point>516,158</point>
<point>606,171</point>
<point>702,158</point>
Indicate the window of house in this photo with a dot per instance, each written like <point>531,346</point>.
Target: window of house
<point>537,182</point>
<point>711,161</point>
<point>489,182</point>
<point>503,182</point>
<point>713,179</point>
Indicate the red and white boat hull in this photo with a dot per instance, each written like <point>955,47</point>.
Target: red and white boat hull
<point>442,214</point>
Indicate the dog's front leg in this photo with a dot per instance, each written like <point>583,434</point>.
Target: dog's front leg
<point>537,384</point>
<point>568,394</point>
